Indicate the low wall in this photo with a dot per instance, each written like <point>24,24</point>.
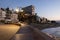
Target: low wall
<point>38,35</point>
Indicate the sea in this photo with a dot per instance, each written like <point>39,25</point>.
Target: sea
<point>53,31</point>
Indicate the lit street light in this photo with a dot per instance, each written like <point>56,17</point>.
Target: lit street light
<point>18,10</point>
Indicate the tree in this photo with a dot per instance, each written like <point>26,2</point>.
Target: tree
<point>2,9</point>
<point>21,16</point>
<point>8,13</point>
<point>53,21</point>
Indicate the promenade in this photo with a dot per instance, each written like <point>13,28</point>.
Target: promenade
<point>24,32</point>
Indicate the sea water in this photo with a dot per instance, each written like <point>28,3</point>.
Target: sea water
<point>53,31</point>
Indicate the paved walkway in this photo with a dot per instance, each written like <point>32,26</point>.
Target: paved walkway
<point>20,33</point>
<point>24,33</point>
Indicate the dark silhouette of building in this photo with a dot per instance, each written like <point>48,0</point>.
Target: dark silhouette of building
<point>29,9</point>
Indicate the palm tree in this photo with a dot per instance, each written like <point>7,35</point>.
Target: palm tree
<point>21,16</point>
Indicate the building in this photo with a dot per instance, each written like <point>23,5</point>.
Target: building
<point>38,18</point>
<point>2,14</point>
<point>29,9</point>
<point>43,20</point>
<point>14,17</point>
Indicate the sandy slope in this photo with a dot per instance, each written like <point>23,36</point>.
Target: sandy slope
<point>7,31</point>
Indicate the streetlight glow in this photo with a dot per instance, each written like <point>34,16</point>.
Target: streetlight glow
<point>17,10</point>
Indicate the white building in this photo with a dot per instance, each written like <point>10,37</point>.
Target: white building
<point>2,15</point>
<point>14,17</point>
<point>44,20</point>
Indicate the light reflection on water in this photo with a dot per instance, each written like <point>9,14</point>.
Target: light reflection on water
<point>53,31</point>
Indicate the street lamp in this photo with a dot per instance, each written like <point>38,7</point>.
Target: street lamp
<point>17,10</point>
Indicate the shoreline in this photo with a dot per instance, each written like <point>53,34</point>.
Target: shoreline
<point>45,26</point>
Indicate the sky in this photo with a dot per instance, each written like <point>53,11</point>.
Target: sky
<point>49,9</point>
